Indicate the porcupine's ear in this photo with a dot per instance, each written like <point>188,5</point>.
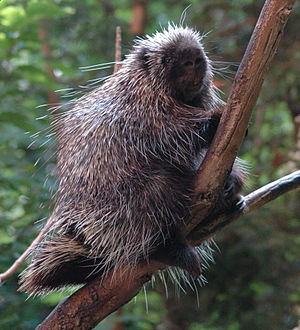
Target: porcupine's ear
<point>143,58</point>
<point>166,59</point>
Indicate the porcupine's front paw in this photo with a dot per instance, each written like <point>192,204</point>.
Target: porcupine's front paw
<point>232,201</point>
<point>209,127</point>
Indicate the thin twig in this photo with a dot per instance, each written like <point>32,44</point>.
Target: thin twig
<point>18,263</point>
<point>118,51</point>
<point>7,274</point>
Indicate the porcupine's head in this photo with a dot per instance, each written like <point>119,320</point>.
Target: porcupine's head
<point>176,65</point>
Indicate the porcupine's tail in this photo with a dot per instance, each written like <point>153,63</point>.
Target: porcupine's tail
<point>56,263</point>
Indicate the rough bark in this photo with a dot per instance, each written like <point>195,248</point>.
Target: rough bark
<point>92,303</point>
<point>209,227</point>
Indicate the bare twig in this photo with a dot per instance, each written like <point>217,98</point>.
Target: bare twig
<point>118,51</point>
<point>6,275</point>
<point>53,101</point>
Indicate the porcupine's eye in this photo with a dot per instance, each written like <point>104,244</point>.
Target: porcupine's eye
<point>166,60</point>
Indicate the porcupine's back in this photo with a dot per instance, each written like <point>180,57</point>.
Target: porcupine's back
<point>124,168</point>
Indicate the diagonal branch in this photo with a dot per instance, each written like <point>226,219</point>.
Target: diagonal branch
<point>241,101</point>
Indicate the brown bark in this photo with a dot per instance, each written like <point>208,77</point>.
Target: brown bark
<point>96,300</point>
<point>235,119</point>
<point>209,227</point>
<point>100,299</point>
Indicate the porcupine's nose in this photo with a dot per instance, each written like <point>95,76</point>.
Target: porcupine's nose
<point>193,64</point>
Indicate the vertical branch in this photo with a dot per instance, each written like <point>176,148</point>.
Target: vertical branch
<point>118,50</point>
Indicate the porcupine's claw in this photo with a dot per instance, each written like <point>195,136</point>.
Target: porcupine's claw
<point>241,204</point>
<point>231,197</point>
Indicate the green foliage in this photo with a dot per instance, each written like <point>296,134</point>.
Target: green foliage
<point>254,283</point>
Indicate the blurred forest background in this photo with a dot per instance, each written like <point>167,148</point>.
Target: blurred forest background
<point>255,282</point>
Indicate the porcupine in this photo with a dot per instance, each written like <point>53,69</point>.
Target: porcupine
<point>127,157</point>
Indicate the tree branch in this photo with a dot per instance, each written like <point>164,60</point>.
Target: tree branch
<point>118,52</point>
<point>241,101</point>
<point>209,227</point>
<point>89,305</point>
